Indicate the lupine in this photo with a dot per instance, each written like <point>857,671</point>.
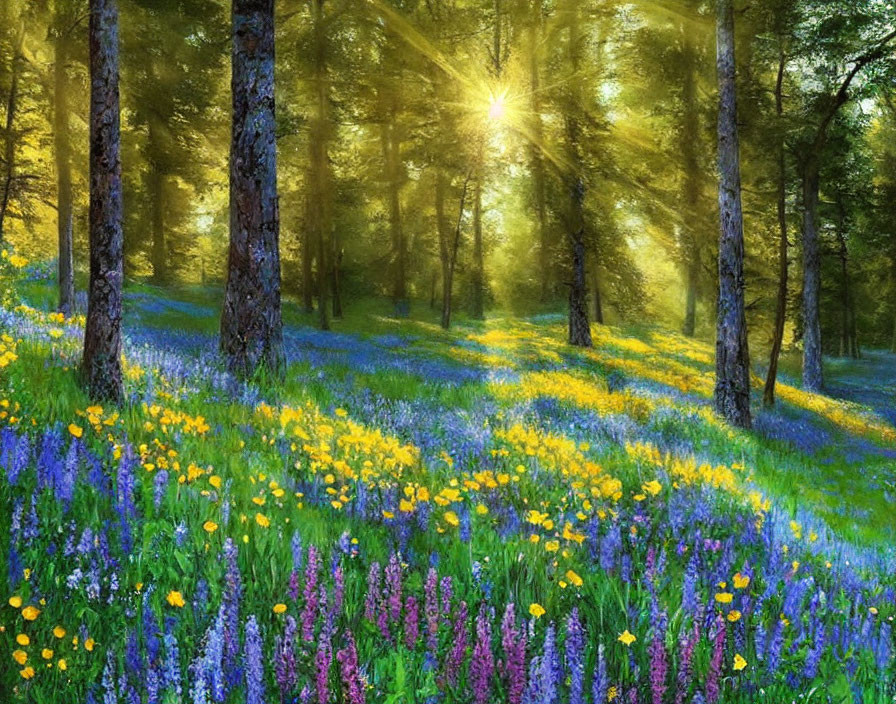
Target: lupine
<point>411,622</point>
<point>309,612</point>
<point>713,689</point>
<point>285,659</point>
<point>458,652</point>
<point>431,610</point>
<point>658,662</point>
<point>482,665</point>
<point>372,599</point>
<point>601,684</point>
<point>110,693</point>
<point>233,593</point>
<point>254,664</point>
<point>575,657</point>
<point>352,683</point>
<point>813,656</point>
<point>513,642</point>
<point>214,656</point>
<point>172,660</point>
<point>683,679</point>
<point>393,588</point>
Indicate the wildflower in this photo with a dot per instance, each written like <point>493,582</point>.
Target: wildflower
<point>536,610</point>
<point>741,581</point>
<point>352,682</point>
<point>482,665</point>
<point>30,613</point>
<point>210,526</point>
<point>575,657</point>
<point>652,487</point>
<point>20,656</point>
<point>254,665</point>
<point>451,518</point>
<point>733,615</point>
<point>279,608</point>
<point>739,662</point>
<point>724,597</point>
<point>513,641</point>
<point>27,673</point>
<point>75,430</point>
<point>15,602</point>
<point>62,664</point>
<point>175,598</point>
<point>626,638</point>
<point>262,520</point>
<point>574,578</point>
<point>89,645</point>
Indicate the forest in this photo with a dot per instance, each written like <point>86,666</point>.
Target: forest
<point>447,351</point>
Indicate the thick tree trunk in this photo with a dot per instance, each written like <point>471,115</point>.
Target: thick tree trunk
<point>101,364</point>
<point>9,139</point>
<point>768,397</point>
<point>690,136</point>
<point>62,152</point>
<point>732,389</point>
<point>813,377</point>
<point>251,323</point>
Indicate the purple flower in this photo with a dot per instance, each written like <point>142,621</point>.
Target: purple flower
<point>658,663</point>
<point>513,668</point>
<point>458,652</point>
<point>713,690</point>
<point>601,685</point>
<point>411,622</point>
<point>373,597</point>
<point>254,664</point>
<point>393,588</point>
<point>431,610</point>
<point>309,612</point>
<point>683,679</point>
<point>285,659</point>
<point>482,665</point>
<point>352,683</point>
<point>575,657</point>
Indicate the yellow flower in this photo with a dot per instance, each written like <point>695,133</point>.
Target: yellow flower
<point>739,662</point>
<point>215,481</point>
<point>75,430</point>
<point>88,644</point>
<point>279,608</point>
<point>175,599</point>
<point>537,610</point>
<point>652,487</point>
<point>451,518</point>
<point>62,664</point>
<point>46,654</point>
<point>27,673</point>
<point>29,613</point>
<point>626,638</point>
<point>724,597</point>
<point>210,526</point>
<point>20,656</point>
<point>59,632</point>
<point>574,578</point>
<point>741,581</point>
<point>482,509</point>
<point>15,601</point>
<point>22,639</point>
<point>733,615</point>
<point>262,520</point>
<point>552,545</point>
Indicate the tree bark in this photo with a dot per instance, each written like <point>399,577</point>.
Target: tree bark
<point>320,167</point>
<point>101,364</point>
<point>308,258</point>
<point>598,307</point>
<point>448,243</point>
<point>251,323</point>
<point>477,311</point>
<point>536,160</point>
<point>392,159</point>
<point>9,138</point>
<point>768,397</point>
<point>732,388</point>
<point>157,207</point>
<point>62,152</point>
<point>813,377</point>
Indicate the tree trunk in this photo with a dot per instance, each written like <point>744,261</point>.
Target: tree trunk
<point>101,364</point>
<point>845,307</point>
<point>768,397</point>
<point>813,377</point>
<point>690,134</point>
<point>536,161</point>
<point>308,259</point>
<point>732,389</point>
<point>62,152</point>
<point>251,323</point>
<point>9,139</point>
<point>157,207</point>
<point>392,159</point>
<point>337,281</point>
<point>320,167</point>
<point>477,311</point>
<point>598,308</point>
<point>448,244</point>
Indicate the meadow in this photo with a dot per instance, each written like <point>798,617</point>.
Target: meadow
<point>416,515</point>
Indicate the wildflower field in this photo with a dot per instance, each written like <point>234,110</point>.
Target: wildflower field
<point>414,515</point>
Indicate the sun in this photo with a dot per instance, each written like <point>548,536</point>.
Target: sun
<point>497,108</point>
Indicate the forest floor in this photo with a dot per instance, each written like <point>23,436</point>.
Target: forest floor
<point>537,456</point>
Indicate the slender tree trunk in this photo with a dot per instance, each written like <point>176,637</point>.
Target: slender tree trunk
<point>598,308</point>
<point>536,161</point>
<point>478,308</point>
<point>337,280</point>
<point>320,166</point>
<point>579,328</point>
<point>251,322</point>
<point>9,140</point>
<point>843,256</point>
<point>392,160</point>
<point>448,244</point>
<point>813,377</point>
<point>308,258</point>
<point>690,134</point>
<point>101,364</point>
<point>732,390</point>
<point>157,207</point>
<point>62,152</point>
<point>768,396</point>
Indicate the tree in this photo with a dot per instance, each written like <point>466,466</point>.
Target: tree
<point>101,364</point>
<point>732,388</point>
<point>251,323</point>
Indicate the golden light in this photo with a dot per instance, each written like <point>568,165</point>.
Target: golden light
<point>497,108</point>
